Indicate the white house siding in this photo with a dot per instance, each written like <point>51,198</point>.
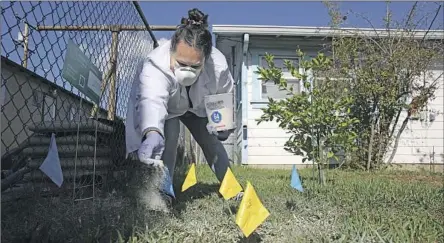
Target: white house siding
<point>422,140</point>
<point>266,140</point>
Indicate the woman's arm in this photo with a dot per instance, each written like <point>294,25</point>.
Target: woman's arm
<point>152,99</point>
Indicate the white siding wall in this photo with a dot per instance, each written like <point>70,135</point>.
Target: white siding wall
<point>422,141</point>
<point>417,144</point>
<point>266,141</point>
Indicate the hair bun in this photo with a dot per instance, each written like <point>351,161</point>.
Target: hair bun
<point>196,18</point>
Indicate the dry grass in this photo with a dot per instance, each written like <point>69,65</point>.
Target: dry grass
<point>353,207</point>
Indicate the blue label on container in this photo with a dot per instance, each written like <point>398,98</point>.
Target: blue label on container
<point>216,117</point>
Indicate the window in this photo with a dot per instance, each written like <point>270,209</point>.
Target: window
<point>271,90</point>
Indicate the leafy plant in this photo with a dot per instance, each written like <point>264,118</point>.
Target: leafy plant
<point>318,118</point>
<point>389,71</point>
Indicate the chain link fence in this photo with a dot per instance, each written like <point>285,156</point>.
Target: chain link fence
<point>38,100</point>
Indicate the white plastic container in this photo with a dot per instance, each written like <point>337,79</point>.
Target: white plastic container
<point>220,111</point>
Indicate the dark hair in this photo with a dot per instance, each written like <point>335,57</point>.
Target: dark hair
<point>193,31</point>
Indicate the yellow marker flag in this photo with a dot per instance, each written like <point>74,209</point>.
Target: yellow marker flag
<point>229,186</point>
<point>191,179</point>
<point>251,212</point>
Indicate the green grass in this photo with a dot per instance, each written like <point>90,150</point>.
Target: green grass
<point>390,206</point>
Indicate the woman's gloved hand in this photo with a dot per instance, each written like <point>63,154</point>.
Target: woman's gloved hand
<point>221,135</point>
<point>151,148</point>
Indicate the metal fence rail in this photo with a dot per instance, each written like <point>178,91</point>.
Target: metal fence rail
<point>37,101</point>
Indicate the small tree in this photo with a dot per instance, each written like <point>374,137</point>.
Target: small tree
<point>388,73</point>
<point>318,117</point>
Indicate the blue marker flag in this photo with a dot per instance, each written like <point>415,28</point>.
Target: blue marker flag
<point>295,180</point>
<point>167,183</point>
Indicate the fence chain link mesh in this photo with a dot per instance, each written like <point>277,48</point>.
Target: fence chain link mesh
<point>37,101</point>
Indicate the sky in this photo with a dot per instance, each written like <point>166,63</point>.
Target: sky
<point>48,59</point>
<point>286,13</point>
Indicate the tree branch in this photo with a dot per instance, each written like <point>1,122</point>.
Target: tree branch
<point>398,136</point>
<point>412,10</point>
<point>433,21</point>
<point>374,29</point>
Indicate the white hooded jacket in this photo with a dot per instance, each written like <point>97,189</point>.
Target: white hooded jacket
<point>156,95</point>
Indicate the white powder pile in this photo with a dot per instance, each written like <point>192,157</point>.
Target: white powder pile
<point>148,193</point>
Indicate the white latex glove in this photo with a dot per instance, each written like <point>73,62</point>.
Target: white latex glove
<point>151,149</point>
<point>211,130</point>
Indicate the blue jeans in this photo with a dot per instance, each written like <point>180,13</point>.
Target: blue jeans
<point>213,149</point>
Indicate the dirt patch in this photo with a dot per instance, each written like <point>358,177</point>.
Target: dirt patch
<point>138,204</point>
<point>146,183</point>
